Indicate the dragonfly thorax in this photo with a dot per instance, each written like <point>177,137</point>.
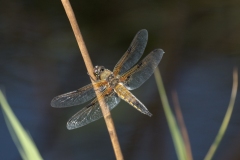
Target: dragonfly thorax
<point>102,73</point>
<point>112,80</point>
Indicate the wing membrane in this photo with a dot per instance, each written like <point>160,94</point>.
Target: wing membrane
<point>136,76</point>
<point>76,97</point>
<point>92,112</point>
<point>133,54</point>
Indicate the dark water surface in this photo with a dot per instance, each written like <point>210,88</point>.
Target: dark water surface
<point>40,59</point>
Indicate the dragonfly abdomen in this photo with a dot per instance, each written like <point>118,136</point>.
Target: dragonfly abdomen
<point>127,96</point>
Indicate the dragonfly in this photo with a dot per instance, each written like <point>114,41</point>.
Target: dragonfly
<point>113,85</point>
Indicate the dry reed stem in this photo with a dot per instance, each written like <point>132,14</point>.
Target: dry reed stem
<point>181,124</point>
<point>88,63</point>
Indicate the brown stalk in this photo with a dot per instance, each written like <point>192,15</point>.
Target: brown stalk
<point>181,124</point>
<point>89,66</point>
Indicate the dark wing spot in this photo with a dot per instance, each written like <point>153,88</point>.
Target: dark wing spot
<point>139,65</point>
<point>129,49</point>
<point>90,105</point>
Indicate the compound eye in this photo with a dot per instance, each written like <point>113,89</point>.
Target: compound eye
<point>102,69</point>
<point>95,69</point>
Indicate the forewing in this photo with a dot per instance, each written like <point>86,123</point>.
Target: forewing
<point>76,97</point>
<point>133,54</point>
<point>136,76</point>
<point>92,112</point>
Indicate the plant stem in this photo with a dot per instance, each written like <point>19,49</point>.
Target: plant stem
<point>174,129</point>
<point>89,66</point>
<point>182,126</point>
<point>226,119</point>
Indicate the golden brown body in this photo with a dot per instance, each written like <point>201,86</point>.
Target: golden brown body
<point>114,86</point>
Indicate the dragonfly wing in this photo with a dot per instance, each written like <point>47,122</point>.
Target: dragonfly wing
<point>76,97</point>
<point>137,75</point>
<point>127,96</point>
<point>92,112</point>
<point>133,54</point>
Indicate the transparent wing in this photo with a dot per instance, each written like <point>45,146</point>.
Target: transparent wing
<point>92,112</point>
<point>76,97</point>
<point>133,54</point>
<point>136,76</point>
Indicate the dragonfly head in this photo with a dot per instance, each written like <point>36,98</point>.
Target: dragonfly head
<point>101,72</point>
<point>98,70</point>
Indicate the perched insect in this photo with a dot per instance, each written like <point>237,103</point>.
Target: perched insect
<point>113,86</point>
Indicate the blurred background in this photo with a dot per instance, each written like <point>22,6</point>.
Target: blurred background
<point>40,59</point>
